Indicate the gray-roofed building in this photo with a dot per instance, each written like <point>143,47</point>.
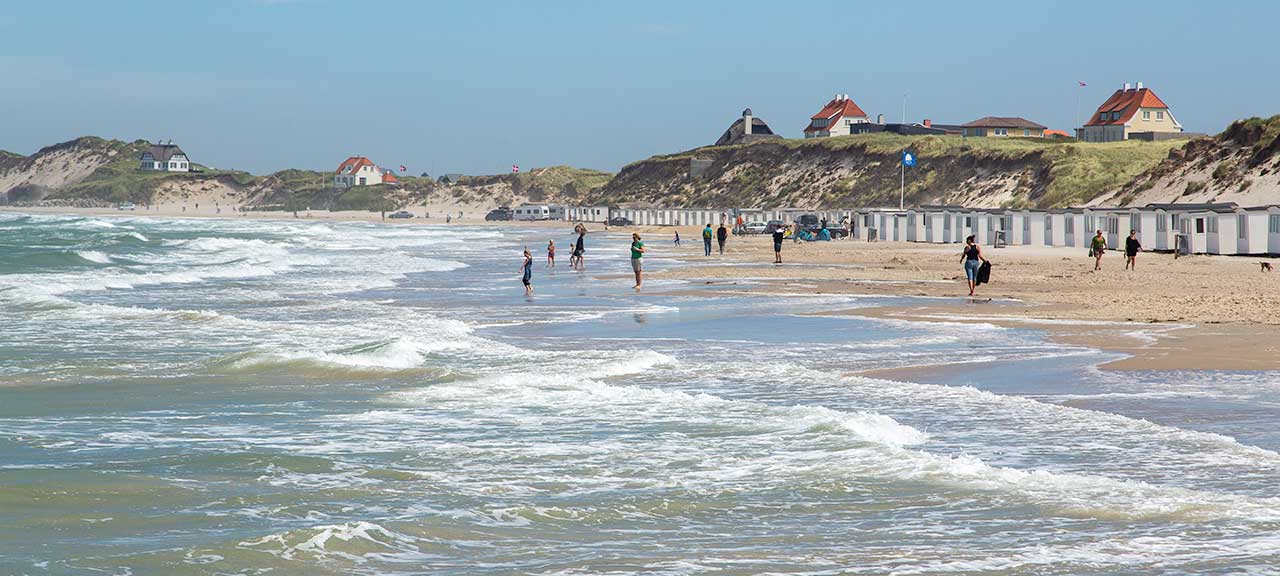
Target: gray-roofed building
<point>1003,127</point>
<point>746,129</point>
<point>162,157</point>
<point>450,179</point>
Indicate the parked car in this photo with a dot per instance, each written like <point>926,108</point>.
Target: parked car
<point>126,206</point>
<point>401,214</point>
<point>498,214</point>
<point>754,227</point>
<point>773,226</point>
<point>620,221</point>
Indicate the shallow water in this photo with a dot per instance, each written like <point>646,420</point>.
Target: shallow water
<point>225,397</point>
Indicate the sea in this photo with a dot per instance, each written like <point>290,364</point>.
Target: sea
<point>227,396</point>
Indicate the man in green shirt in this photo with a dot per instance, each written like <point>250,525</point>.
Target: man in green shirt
<point>637,257</point>
<point>1098,247</point>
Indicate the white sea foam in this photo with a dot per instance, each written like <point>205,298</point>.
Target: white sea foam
<point>94,256</point>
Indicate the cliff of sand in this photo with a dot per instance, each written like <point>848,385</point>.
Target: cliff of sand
<point>1241,165</point>
<point>96,172</point>
<point>864,170</point>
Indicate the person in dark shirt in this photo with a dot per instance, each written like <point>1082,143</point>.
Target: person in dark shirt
<point>778,233</point>
<point>575,259</point>
<point>722,234</point>
<point>1131,249</point>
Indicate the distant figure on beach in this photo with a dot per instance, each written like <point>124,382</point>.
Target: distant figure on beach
<point>637,258</point>
<point>844,227</point>
<point>1131,248</point>
<point>1098,248</point>
<point>579,248</point>
<point>527,268</point>
<point>795,233</point>
<point>722,235</point>
<point>448,218</point>
<point>706,240</point>
<point>740,225</point>
<point>551,253</point>
<point>677,237</point>
<point>778,234</point>
<point>972,259</point>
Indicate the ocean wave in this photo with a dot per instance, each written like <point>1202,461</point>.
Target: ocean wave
<point>357,542</point>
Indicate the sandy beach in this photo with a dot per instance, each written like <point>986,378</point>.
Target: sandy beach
<point>1198,312</point>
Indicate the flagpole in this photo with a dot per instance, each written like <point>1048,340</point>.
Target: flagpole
<point>902,183</point>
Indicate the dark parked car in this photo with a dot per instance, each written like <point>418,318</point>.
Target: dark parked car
<point>813,224</point>
<point>401,214</point>
<point>498,214</point>
<point>773,225</point>
<point>620,221</point>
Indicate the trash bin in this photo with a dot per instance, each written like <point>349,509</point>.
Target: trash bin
<point>1181,244</point>
<point>872,234</point>
<point>999,241</point>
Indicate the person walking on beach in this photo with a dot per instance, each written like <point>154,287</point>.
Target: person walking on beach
<point>1098,248</point>
<point>637,258</point>
<point>972,259</point>
<point>551,253</point>
<point>579,248</point>
<point>722,235</point>
<point>1131,249</point>
<point>677,237</point>
<point>778,234</point>
<point>527,268</point>
<point>706,240</point>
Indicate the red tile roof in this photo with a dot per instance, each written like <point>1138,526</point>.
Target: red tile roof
<point>1127,103</point>
<point>388,177</point>
<point>833,112</point>
<point>352,164</point>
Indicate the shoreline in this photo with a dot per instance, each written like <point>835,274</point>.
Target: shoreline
<point>1192,313</point>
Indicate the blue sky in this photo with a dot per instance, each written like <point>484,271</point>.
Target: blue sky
<point>476,86</point>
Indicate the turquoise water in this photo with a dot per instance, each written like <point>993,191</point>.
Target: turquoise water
<point>292,397</point>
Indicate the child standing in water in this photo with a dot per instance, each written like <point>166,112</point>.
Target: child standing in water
<point>551,253</point>
<point>527,267</point>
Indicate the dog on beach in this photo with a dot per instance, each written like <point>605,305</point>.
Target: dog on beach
<point>1266,266</point>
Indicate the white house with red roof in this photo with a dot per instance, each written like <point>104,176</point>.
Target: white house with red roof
<point>1131,112</point>
<point>360,171</point>
<point>836,118</point>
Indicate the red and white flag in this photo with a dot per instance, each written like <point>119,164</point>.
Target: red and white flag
<point>403,168</point>
<point>515,169</point>
<point>1082,84</point>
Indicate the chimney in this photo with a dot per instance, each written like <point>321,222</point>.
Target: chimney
<point>746,121</point>
<point>1139,86</point>
<point>837,98</point>
<point>928,123</point>
<point>1126,86</point>
<point>880,119</point>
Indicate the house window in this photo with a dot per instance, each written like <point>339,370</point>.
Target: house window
<point>1213,224</point>
<point>1162,223</point>
<point>968,221</point>
<point>1159,115</point>
<point>1199,225</point>
<point>1115,115</point>
<point>1102,116</point>
<point>1026,132</point>
<point>1113,225</point>
<point>1146,114</point>
<point>1002,131</point>
<point>1273,224</point>
<point>362,180</point>
<point>1242,223</point>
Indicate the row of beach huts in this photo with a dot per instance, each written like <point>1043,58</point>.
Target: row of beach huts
<point>1215,228</point>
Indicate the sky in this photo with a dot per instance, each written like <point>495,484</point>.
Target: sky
<point>477,86</point>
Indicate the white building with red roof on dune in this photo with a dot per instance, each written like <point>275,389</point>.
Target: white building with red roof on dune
<point>1132,112</point>
<point>836,118</point>
<point>360,171</point>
